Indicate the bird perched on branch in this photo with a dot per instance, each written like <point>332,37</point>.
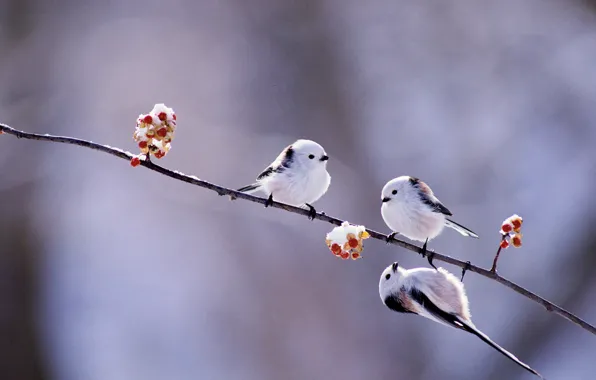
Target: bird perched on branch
<point>297,177</point>
<point>410,208</point>
<point>434,294</point>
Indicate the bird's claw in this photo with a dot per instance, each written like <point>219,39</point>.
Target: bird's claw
<point>390,237</point>
<point>429,255</point>
<point>312,212</point>
<point>269,201</point>
<point>465,269</point>
<point>422,250</point>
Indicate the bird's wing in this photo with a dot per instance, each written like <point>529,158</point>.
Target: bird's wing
<point>428,197</point>
<point>280,164</point>
<point>399,302</point>
<point>432,311</point>
<point>427,308</point>
<point>265,173</point>
<point>437,206</point>
<point>443,289</point>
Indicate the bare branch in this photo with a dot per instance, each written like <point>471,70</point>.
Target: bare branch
<point>297,210</point>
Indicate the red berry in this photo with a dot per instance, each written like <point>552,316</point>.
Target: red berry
<point>162,116</point>
<point>516,240</point>
<point>353,243</point>
<point>159,154</point>
<point>344,255</point>
<point>335,248</point>
<point>148,119</point>
<point>135,161</point>
<point>517,222</point>
<point>174,116</point>
<point>355,255</point>
<point>504,244</point>
<point>143,144</point>
<point>162,132</point>
<point>507,227</point>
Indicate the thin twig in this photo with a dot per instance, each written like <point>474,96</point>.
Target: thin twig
<point>297,210</point>
<point>494,267</point>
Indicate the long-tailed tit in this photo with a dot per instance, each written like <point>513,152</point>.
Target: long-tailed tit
<point>410,208</point>
<point>434,294</point>
<point>297,177</point>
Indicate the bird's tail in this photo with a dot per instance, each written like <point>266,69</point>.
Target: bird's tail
<point>473,330</point>
<point>252,188</point>
<point>461,229</point>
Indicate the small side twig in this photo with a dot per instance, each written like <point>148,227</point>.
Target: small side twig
<point>494,267</point>
<point>297,210</point>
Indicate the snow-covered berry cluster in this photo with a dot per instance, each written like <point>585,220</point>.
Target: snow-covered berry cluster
<point>154,132</point>
<point>345,241</point>
<point>511,231</point>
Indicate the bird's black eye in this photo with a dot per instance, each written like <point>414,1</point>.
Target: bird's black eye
<point>311,156</point>
<point>394,192</point>
<point>387,276</point>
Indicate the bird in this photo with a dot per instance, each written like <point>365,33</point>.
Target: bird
<point>410,208</point>
<point>298,176</point>
<point>437,295</point>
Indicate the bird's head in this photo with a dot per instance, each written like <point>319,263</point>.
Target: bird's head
<point>389,283</point>
<point>309,154</point>
<point>397,190</point>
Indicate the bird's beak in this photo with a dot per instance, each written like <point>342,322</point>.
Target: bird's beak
<point>386,199</point>
<point>325,157</point>
<point>394,266</point>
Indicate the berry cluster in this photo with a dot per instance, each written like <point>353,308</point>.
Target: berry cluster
<point>345,241</point>
<point>154,132</point>
<point>511,231</point>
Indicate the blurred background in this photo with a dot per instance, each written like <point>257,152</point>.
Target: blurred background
<point>109,272</point>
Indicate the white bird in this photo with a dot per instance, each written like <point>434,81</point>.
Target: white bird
<point>434,294</point>
<point>410,208</point>
<point>297,177</point>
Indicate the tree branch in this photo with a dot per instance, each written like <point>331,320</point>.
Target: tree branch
<point>297,210</point>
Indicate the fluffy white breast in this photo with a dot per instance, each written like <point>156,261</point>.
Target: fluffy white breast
<point>296,186</point>
<point>412,221</point>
